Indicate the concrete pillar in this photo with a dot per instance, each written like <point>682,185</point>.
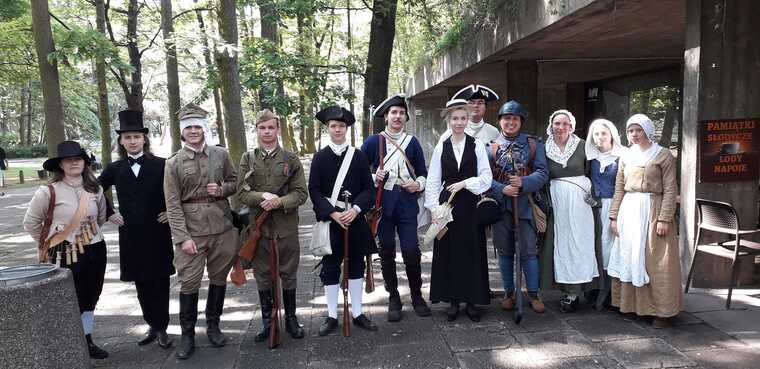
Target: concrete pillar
<point>721,80</point>
<point>522,86</point>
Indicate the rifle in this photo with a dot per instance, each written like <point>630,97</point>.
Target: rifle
<point>518,262</point>
<point>248,251</point>
<point>274,271</point>
<point>344,284</point>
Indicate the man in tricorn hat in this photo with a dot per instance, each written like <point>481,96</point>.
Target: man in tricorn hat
<point>273,180</point>
<point>197,181</point>
<point>145,243</point>
<point>477,96</point>
<point>402,177</point>
<point>347,213</point>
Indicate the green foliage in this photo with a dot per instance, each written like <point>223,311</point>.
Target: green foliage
<point>12,9</point>
<point>77,44</point>
<point>34,151</point>
<point>18,62</point>
<point>455,35</point>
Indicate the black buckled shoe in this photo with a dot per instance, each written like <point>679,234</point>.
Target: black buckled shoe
<point>265,300</point>
<point>150,336</point>
<point>472,312</point>
<point>394,307</point>
<point>214,308</point>
<point>163,340</point>
<point>362,321</point>
<point>452,312</point>
<point>291,320</point>
<point>328,326</point>
<point>95,351</point>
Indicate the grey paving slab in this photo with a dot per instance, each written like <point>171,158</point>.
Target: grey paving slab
<point>520,359</point>
<point>700,337</point>
<point>726,358</point>
<point>556,344</point>
<point>419,355</point>
<point>608,328</point>
<point>742,324</point>
<point>468,337</point>
<point>646,353</point>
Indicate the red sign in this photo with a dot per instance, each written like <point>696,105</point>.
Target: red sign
<point>729,150</point>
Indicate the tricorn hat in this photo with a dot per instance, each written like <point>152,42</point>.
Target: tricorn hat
<point>395,100</point>
<point>335,112</point>
<point>131,121</point>
<point>476,92</point>
<point>65,149</point>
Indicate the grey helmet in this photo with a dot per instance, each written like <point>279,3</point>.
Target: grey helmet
<point>514,108</point>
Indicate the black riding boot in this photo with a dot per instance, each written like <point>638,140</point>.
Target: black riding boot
<point>414,275</point>
<point>291,320</point>
<point>188,315</point>
<point>388,266</point>
<point>214,307</point>
<point>265,299</point>
<point>95,351</point>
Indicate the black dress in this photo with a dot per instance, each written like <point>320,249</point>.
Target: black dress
<point>459,271</point>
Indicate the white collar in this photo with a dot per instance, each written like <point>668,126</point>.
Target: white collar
<point>477,125</point>
<point>136,156</point>
<point>338,148</point>
<point>394,136</point>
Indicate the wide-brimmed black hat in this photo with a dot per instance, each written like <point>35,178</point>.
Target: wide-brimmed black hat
<point>472,92</point>
<point>335,112</point>
<point>65,149</point>
<point>131,121</point>
<point>395,100</point>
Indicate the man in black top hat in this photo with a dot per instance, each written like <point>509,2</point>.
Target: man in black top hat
<point>145,244</point>
<point>346,214</point>
<point>402,177</point>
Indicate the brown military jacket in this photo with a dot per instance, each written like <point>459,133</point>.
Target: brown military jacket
<point>265,173</point>
<point>191,211</point>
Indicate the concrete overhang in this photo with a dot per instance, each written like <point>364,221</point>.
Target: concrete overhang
<point>592,40</point>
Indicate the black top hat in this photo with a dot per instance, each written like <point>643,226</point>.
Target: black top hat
<point>131,121</point>
<point>335,112</point>
<point>65,149</point>
<point>395,100</point>
<point>476,92</point>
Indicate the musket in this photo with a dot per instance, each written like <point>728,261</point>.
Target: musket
<point>274,270</point>
<point>344,284</point>
<point>518,262</point>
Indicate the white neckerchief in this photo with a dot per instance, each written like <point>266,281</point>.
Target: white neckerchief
<point>635,157</point>
<point>136,167</point>
<point>553,152</point>
<point>458,150</point>
<point>473,128</point>
<point>395,136</point>
<point>605,159</point>
<point>338,148</point>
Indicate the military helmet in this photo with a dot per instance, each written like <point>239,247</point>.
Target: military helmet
<point>514,108</point>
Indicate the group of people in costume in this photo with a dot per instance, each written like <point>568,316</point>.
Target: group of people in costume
<point>174,216</point>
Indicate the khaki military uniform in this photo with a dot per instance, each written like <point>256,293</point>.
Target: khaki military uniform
<point>193,214</point>
<point>280,174</point>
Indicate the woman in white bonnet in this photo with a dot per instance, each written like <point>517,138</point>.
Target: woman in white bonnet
<point>569,255</point>
<point>644,263</point>
<point>603,150</point>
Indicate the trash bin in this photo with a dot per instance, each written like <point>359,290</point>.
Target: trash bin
<point>40,324</point>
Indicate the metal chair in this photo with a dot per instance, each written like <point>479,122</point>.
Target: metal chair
<point>720,217</point>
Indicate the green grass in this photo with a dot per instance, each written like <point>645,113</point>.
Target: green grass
<point>30,175</point>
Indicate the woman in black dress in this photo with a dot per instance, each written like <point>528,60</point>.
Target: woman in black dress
<point>459,164</point>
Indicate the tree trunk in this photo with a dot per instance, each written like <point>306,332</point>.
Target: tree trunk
<point>210,75</point>
<point>29,112</point>
<point>51,87</point>
<point>382,32</point>
<point>134,96</point>
<point>22,117</point>
<point>305,109</point>
<point>172,75</point>
<point>270,32</point>
<point>227,62</point>
<point>104,116</point>
<point>351,92</point>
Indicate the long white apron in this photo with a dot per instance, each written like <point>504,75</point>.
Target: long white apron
<point>574,255</point>
<point>608,238</point>
<point>627,259</point>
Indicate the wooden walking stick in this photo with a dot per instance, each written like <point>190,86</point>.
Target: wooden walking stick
<point>344,284</point>
<point>274,270</point>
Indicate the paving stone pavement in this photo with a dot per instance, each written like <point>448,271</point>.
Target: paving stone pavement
<point>704,335</point>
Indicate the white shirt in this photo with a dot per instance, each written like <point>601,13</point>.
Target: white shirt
<point>476,185</point>
<point>395,165</point>
<point>136,167</point>
<point>483,131</point>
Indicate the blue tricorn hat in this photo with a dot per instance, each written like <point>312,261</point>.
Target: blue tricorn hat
<point>395,100</point>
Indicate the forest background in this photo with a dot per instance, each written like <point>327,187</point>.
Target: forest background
<point>68,67</point>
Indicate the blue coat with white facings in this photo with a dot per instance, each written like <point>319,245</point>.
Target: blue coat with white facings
<point>501,164</point>
<point>398,196</point>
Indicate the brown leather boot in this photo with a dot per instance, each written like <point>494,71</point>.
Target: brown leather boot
<point>659,323</point>
<point>508,303</point>
<point>536,304</point>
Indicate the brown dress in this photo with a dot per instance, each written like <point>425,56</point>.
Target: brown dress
<point>662,297</point>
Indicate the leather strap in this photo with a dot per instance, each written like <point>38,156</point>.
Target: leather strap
<point>406,159</point>
<point>59,237</point>
<point>379,184</point>
<point>44,242</point>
